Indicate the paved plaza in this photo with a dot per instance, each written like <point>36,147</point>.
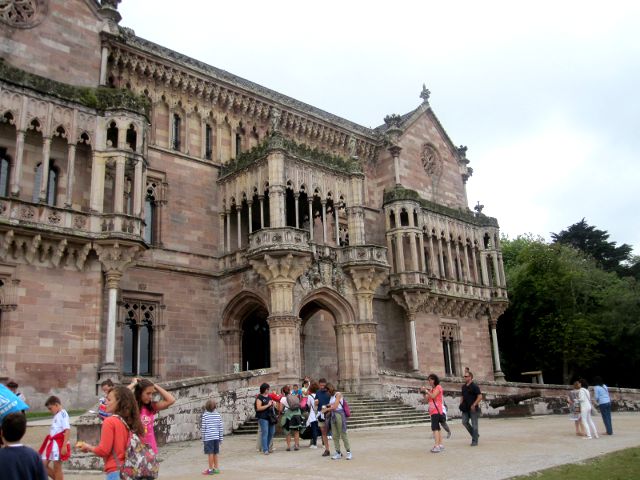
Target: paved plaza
<point>507,447</point>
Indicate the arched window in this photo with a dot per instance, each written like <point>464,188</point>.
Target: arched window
<point>208,135</point>
<point>52,185</point>
<point>449,337</point>
<point>177,122</point>
<point>132,137</point>
<point>150,215</point>
<point>112,135</point>
<point>138,330</point>
<point>4,172</point>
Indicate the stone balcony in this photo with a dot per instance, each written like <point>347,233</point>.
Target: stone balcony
<point>287,239</point>
<point>412,280</point>
<point>355,255</point>
<point>19,214</point>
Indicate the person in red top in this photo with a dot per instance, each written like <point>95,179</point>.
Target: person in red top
<point>121,404</point>
<point>434,396</point>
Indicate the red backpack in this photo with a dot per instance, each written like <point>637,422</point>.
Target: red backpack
<point>345,407</point>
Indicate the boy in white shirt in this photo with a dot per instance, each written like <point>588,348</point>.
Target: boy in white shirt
<point>55,449</point>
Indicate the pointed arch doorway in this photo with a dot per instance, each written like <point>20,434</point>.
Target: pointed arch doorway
<point>318,342</point>
<point>256,345</point>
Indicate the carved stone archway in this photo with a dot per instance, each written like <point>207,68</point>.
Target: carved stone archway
<point>245,309</point>
<point>343,323</point>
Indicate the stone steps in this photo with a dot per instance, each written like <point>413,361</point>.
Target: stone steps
<point>366,412</point>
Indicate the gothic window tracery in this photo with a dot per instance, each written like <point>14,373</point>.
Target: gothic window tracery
<point>449,336</point>
<point>139,322</point>
<point>52,184</point>
<point>431,160</point>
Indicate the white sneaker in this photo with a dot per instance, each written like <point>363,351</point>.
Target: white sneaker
<point>330,437</point>
<point>348,457</point>
<point>336,456</point>
<point>313,446</point>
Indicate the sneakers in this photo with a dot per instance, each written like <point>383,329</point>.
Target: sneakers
<point>313,446</point>
<point>330,437</point>
<point>288,449</point>
<point>296,448</point>
<point>448,434</point>
<point>336,456</point>
<point>436,449</point>
<point>349,456</point>
<point>208,471</point>
<point>326,453</point>
<point>441,447</point>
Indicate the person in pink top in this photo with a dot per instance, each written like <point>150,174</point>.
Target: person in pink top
<point>434,396</point>
<point>144,390</point>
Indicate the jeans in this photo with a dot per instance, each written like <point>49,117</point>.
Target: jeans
<point>473,428</point>
<point>315,432</point>
<point>267,431</point>
<point>113,476</point>
<point>605,411</point>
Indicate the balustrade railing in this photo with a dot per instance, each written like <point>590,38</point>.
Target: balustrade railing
<point>363,254</point>
<point>281,238</point>
<point>17,212</point>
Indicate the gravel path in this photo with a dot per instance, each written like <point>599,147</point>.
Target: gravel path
<point>507,447</point>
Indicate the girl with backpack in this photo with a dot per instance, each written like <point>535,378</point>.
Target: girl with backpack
<point>114,438</point>
<point>336,411</point>
<point>144,390</point>
<point>291,420</point>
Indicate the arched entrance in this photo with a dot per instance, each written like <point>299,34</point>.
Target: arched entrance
<point>318,342</point>
<point>255,341</point>
<point>327,347</point>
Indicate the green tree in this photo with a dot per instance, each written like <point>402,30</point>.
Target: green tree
<point>595,243</point>
<point>552,322</point>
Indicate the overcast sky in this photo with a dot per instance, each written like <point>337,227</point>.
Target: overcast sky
<point>544,94</point>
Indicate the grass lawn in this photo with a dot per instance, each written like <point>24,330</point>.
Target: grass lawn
<point>41,415</point>
<point>622,465</point>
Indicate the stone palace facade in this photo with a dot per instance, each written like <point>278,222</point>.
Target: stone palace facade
<point>164,218</point>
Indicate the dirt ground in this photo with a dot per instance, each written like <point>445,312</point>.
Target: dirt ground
<point>507,447</point>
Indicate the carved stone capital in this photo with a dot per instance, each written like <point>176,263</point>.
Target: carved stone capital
<point>369,327</point>
<point>116,257</point>
<point>280,269</point>
<point>367,279</point>
<point>282,321</point>
<point>112,278</point>
<point>410,301</point>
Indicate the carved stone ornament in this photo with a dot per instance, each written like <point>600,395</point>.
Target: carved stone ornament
<point>22,13</point>
<point>431,161</point>
<point>323,273</point>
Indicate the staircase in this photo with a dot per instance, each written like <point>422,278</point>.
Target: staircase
<point>366,412</point>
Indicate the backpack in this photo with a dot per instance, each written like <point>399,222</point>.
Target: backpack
<point>293,401</point>
<point>139,459</point>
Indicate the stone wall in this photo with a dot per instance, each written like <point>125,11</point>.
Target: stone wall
<point>553,398</point>
<point>233,393</point>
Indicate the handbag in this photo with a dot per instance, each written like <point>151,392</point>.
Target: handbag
<point>272,416</point>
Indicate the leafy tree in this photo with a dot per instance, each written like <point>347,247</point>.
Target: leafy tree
<point>594,242</point>
<point>556,297</point>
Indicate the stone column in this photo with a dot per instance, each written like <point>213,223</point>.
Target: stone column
<point>324,222</point>
<point>452,271</point>
<point>390,252</point>
<point>432,258</point>
<point>103,65</point>
<point>44,179</point>
<point>498,375</point>
<point>400,252</point>
<point>219,140</point>
<point>118,200</point>
<point>483,266</point>
<point>496,269</point>
<point>231,341</point>
<point>239,226</point>
<point>115,258</point>
<point>296,197</point>
<point>337,225</point>
<point>280,273</point>
<point>223,220</point>
<point>366,279</point>
<point>310,200</point>
<point>228,216</point>
<point>441,259</point>
<point>411,301</point>
<point>277,216</point>
<point>422,257</point>
<point>476,277</point>
<point>414,252</point>
<point>467,271</point>
<point>250,204</point>
<point>138,192</point>
<point>98,166</point>
<point>395,153</point>
<point>261,199</point>
<point>16,174</point>
<point>503,279</point>
<point>71,163</point>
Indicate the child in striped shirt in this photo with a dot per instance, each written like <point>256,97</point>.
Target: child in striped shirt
<point>212,432</point>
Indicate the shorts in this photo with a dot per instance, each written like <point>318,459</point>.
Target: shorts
<point>211,447</point>
<point>54,455</point>
<point>435,421</point>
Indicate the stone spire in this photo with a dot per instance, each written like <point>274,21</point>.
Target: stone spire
<point>109,10</point>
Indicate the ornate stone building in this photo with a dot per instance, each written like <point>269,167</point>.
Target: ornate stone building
<point>162,217</point>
